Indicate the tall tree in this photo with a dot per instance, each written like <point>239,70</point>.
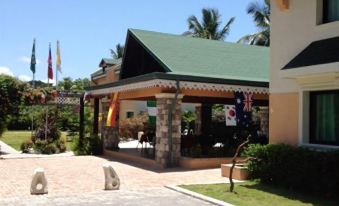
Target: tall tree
<point>77,85</point>
<point>10,97</point>
<point>119,51</point>
<point>209,27</point>
<point>261,16</point>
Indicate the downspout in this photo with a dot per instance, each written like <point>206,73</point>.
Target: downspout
<point>170,124</point>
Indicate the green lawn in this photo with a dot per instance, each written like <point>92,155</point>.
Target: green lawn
<point>256,194</point>
<point>15,138</point>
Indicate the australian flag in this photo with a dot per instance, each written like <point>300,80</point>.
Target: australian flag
<point>243,108</point>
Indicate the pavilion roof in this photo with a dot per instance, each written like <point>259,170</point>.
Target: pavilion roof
<point>183,55</point>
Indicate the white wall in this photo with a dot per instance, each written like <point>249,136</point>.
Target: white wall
<point>138,106</point>
<point>131,106</point>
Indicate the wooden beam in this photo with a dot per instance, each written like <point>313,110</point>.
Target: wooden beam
<point>217,94</point>
<point>81,121</point>
<point>143,93</point>
<point>96,116</point>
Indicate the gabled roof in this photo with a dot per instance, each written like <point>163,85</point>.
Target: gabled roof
<point>190,56</point>
<point>318,52</point>
<point>109,62</point>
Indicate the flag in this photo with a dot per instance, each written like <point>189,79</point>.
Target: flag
<point>113,110</point>
<point>86,96</point>
<point>248,102</point>
<point>42,98</point>
<point>58,58</point>
<point>50,69</point>
<point>33,60</point>
<point>152,112</point>
<point>230,115</point>
<point>243,108</point>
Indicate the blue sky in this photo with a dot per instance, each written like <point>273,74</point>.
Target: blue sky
<point>87,29</point>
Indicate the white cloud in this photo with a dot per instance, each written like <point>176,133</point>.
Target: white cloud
<point>24,78</point>
<point>27,59</point>
<point>6,70</point>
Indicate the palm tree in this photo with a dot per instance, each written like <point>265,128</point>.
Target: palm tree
<point>209,28</point>
<point>261,15</point>
<point>119,51</point>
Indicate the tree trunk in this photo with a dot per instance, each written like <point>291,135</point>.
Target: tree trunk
<point>234,162</point>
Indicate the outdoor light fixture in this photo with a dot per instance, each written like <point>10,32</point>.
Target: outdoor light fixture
<point>283,5</point>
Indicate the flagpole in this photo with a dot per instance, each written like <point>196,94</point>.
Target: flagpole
<point>56,79</point>
<point>33,62</point>
<point>46,125</point>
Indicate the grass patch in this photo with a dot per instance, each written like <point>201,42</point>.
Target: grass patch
<point>256,194</point>
<point>15,138</point>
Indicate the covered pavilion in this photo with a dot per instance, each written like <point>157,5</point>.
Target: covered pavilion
<point>173,69</point>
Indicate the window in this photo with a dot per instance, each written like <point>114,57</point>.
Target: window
<point>330,11</point>
<point>324,117</point>
<point>129,114</point>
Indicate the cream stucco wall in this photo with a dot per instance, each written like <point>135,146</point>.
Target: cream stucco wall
<point>292,30</point>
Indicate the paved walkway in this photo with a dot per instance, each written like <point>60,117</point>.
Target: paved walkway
<point>5,148</point>
<point>148,197</point>
<point>24,155</point>
<point>81,177</point>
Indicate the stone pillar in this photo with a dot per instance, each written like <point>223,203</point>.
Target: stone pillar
<point>110,138</point>
<point>109,135</point>
<point>264,117</point>
<point>168,148</point>
<point>197,129</point>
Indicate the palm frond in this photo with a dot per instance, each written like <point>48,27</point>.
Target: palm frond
<point>209,26</point>
<point>226,30</point>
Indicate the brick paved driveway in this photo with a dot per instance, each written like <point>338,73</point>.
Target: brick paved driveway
<point>74,176</point>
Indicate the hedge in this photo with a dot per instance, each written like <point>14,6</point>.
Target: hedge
<point>296,168</point>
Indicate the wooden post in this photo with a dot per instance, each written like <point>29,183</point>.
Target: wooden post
<point>96,116</point>
<point>81,120</point>
<point>206,120</point>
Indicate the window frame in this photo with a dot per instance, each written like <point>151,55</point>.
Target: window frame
<point>312,120</point>
<point>325,13</point>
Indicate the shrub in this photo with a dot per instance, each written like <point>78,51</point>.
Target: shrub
<point>92,145</point>
<point>61,145</point>
<point>129,128</point>
<point>49,149</point>
<point>302,169</point>
<point>26,146</point>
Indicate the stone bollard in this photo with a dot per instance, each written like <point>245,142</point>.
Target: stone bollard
<point>39,182</point>
<point>112,181</point>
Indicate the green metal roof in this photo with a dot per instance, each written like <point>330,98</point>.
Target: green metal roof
<point>184,55</point>
<point>110,61</point>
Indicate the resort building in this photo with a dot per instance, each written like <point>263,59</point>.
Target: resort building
<point>172,70</point>
<point>109,72</point>
<point>304,73</point>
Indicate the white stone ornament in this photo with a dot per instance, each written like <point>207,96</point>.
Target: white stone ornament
<point>112,181</point>
<point>39,182</point>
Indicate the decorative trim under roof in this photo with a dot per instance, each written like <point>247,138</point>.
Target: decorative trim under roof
<point>183,85</point>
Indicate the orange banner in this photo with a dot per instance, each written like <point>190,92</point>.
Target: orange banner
<point>113,109</point>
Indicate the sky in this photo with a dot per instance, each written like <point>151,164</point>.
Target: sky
<point>87,29</point>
